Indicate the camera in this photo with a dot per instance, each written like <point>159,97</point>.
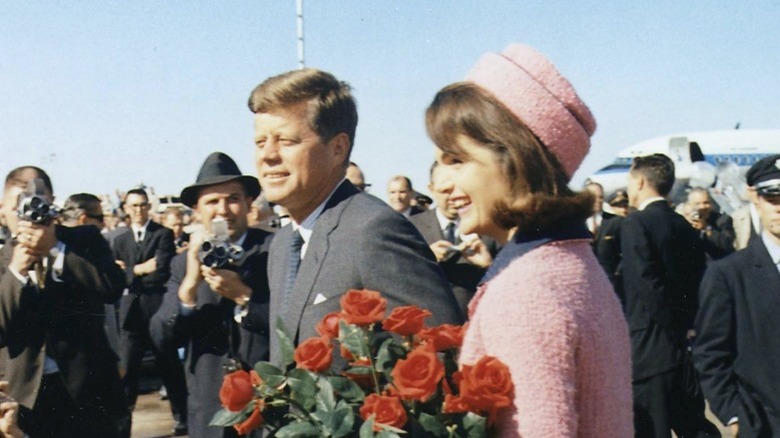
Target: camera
<point>217,251</point>
<point>33,206</point>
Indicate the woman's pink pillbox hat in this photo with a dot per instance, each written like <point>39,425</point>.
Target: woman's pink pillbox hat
<point>530,86</point>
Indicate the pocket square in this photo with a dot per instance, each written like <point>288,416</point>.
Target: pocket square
<point>320,298</point>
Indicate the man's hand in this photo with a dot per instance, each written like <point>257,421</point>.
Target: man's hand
<point>733,429</point>
<point>22,260</point>
<point>227,283</point>
<point>477,253</point>
<point>121,264</point>
<point>441,249</point>
<point>696,221</point>
<point>9,415</point>
<point>38,238</point>
<point>188,289</point>
<point>146,267</point>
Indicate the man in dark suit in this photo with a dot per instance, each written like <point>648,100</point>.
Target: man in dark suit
<point>606,242</point>
<point>339,238</point>
<point>145,254</point>
<point>716,230</point>
<point>202,305</point>
<point>737,351</point>
<point>400,195</point>
<point>54,282</point>
<point>663,262</point>
<point>464,259</point>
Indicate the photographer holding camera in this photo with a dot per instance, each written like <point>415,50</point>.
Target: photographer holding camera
<point>217,299</point>
<point>54,283</point>
<point>715,230</point>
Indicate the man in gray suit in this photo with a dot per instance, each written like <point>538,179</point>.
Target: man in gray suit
<point>339,238</point>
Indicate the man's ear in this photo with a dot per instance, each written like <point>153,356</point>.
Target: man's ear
<point>340,145</point>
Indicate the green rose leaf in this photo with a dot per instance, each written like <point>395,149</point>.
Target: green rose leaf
<point>271,375</point>
<point>474,425</point>
<point>285,344</point>
<point>299,429</point>
<point>326,399</point>
<point>432,425</point>
<point>336,423</point>
<point>304,387</point>
<point>367,429</point>
<point>388,355</point>
<point>353,338</point>
<point>224,418</point>
<point>346,388</point>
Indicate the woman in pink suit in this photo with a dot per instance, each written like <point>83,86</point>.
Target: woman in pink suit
<point>509,139</point>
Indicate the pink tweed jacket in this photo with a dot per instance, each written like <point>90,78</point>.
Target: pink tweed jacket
<point>554,319</point>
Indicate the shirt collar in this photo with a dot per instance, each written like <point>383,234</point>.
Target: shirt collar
<point>649,201</point>
<point>240,241</point>
<point>443,221</point>
<point>142,228</point>
<point>772,247</point>
<point>306,227</point>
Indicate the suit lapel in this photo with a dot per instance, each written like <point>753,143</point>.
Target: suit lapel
<point>764,271</point>
<point>316,251</point>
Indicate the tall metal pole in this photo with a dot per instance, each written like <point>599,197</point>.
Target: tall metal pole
<point>299,9</point>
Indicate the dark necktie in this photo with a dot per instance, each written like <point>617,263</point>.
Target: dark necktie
<point>293,262</point>
<point>449,233</point>
<point>139,236</point>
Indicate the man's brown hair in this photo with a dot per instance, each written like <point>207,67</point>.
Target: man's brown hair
<point>540,195</point>
<point>332,109</point>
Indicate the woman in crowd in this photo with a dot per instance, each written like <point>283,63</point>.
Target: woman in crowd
<point>509,140</point>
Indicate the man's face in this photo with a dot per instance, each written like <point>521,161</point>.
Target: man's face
<point>399,195</point>
<point>227,201</point>
<point>699,202</point>
<point>769,211</point>
<point>296,168</point>
<point>598,196</point>
<point>441,189</point>
<point>355,176</point>
<point>137,208</point>
<point>174,223</point>
<point>10,200</point>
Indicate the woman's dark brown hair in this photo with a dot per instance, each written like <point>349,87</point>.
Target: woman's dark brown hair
<point>540,196</point>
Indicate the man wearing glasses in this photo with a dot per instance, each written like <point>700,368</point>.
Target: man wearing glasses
<point>145,254</point>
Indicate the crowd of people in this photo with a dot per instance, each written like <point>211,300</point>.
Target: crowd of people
<point>616,317</point>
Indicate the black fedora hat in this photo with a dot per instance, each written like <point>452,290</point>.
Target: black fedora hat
<point>217,169</point>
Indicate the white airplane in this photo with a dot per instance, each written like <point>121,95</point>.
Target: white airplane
<point>728,153</point>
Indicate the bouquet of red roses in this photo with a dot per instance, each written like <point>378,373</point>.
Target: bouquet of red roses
<point>408,382</point>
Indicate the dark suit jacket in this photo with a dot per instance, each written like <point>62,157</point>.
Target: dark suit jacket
<point>720,241</point>
<point>145,291</point>
<point>211,333</point>
<point>606,246</point>
<point>663,262</point>
<point>358,242</point>
<point>462,275</point>
<point>737,351</point>
<point>65,321</point>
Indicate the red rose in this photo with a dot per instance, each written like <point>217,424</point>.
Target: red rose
<point>443,337</point>
<point>486,386</point>
<point>362,307</point>
<point>237,391</point>
<point>454,404</point>
<point>328,327</point>
<point>314,354</point>
<point>254,421</point>
<point>406,320</point>
<point>386,410</point>
<point>418,376</point>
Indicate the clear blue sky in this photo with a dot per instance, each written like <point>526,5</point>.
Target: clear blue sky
<point>108,94</point>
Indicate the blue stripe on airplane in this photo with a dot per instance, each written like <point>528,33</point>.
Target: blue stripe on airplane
<point>622,164</point>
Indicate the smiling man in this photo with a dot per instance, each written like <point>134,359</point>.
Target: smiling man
<point>339,238</point>
<point>219,313</point>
